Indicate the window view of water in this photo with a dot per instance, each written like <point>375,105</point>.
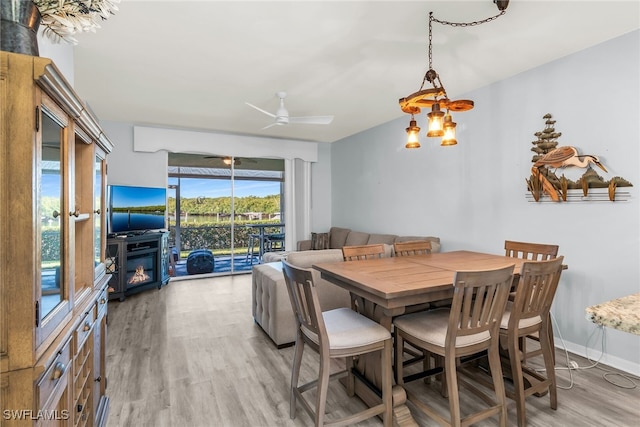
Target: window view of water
<point>219,209</point>
<point>136,221</point>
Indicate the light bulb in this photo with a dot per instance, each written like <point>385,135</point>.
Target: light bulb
<point>435,121</point>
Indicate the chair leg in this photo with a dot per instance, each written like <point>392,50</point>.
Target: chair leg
<point>387,393</point>
<point>495,366</point>
<point>451,375</point>
<point>399,353</point>
<point>439,361</point>
<point>547,353</point>
<point>323,387</point>
<point>518,381</point>
<point>351,380</point>
<point>551,339</point>
<point>295,374</point>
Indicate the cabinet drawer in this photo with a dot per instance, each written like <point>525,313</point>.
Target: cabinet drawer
<point>101,302</point>
<point>82,332</point>
<point>54,375</point>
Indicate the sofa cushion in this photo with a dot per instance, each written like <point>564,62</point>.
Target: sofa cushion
<point>356,238</point>
<point>435,241</point>
<point>338,237</point>
<point>387,239</point>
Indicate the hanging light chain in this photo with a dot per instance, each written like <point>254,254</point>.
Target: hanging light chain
<point>431,76</point>
<point>462,24</point>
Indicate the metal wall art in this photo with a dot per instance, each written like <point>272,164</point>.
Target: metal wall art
<point>549,158</point>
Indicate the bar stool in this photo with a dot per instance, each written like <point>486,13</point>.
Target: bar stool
<point>528,314</point>
<point>470,326</point>
<point>339,333</point>
<point>251,244</point>
<point>274,242</point>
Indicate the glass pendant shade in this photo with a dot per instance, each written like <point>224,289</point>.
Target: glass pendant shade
<point>413,134</point>
<point>435,117</point>
<point>449,126</point>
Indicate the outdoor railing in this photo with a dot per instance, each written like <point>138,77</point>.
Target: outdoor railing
<point>217,238</point>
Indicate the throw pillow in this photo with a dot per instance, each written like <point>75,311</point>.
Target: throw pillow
<point>319,241</point>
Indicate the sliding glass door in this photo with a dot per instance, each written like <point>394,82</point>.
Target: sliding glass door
<point>222,212</point>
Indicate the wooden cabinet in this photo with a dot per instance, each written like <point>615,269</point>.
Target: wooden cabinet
<point>53,281</point>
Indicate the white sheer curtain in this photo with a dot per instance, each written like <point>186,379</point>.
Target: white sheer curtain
<point>297,201</point>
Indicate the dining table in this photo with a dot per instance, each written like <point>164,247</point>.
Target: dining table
<point>383,288</point>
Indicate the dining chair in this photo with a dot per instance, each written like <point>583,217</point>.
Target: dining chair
<point>534,252</point>
<point>414,247</point>
<point>360,252</point>
<point>470,326</point>
<point>338,333</point>
<point>531,251</point>
<point>527,314</point>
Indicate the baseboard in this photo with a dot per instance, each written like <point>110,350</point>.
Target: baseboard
<point>594,354</point>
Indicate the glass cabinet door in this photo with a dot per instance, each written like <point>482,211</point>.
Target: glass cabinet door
<point>98,214</point>
<point>53,221</point>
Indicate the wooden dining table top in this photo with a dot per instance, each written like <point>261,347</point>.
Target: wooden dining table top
<point>397,282</point>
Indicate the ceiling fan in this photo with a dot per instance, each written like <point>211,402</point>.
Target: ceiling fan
<point>282,117</point>
<point>237,161</point>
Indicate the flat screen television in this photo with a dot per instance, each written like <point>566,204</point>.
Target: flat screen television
<point>136,209</point>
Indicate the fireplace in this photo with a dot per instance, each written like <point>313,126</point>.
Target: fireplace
<point>142,267</point>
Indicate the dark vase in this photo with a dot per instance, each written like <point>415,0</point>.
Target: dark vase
<point>19,24</point>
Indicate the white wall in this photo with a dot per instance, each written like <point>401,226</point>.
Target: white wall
<point>127,167</point>
<point>473,195</point>
<point>60,53</point>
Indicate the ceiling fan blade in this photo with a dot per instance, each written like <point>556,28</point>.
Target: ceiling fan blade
<point>268,126</point>
<point>261,110</point>
<point>312,120</point>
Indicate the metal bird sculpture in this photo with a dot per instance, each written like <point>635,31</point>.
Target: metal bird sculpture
<point>567,156</point>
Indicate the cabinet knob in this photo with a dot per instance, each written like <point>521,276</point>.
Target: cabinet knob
<point>79,408</point>
<point>55,214</point>
<point>99,379</point>
<point>102,300</point>
<point>75,213</point>
<point>97,211</point>
<point>86,326</point>
<point>58,371</point>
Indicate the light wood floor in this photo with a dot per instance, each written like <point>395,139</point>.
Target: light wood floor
<point>191,355</point>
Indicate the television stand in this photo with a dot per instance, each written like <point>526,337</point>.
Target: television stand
<point>137,263</point>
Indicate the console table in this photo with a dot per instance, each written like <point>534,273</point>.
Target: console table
<point>621,313</point>
<point>137,262</point>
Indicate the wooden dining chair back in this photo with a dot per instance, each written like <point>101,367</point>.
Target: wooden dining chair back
<point>530,251</point>
<point>360,252</point>
<point>338,333</point>
<point>533,252</point>
<point>527,314</point>
<point>414,247</point>
<point>470,326</point>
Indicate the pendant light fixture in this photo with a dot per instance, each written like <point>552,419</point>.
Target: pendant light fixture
<point>440,122</point>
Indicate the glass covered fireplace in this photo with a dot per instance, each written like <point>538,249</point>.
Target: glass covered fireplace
<point>142,267</point>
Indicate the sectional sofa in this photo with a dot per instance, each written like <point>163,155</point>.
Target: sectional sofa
<point>271,308</point>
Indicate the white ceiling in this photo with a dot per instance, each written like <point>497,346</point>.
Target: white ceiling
<point>193,64</point>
